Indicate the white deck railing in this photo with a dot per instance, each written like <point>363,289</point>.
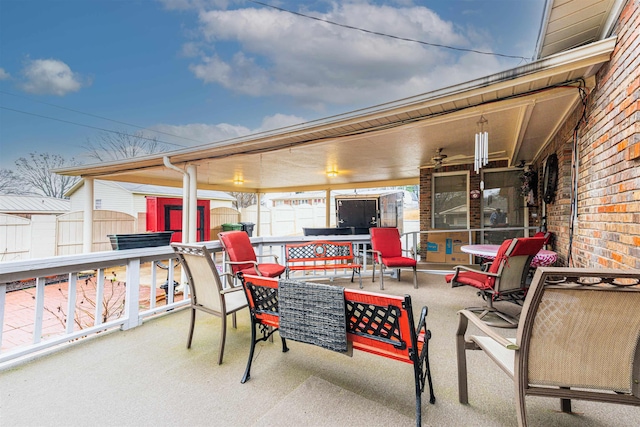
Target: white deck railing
<point>134,263</point>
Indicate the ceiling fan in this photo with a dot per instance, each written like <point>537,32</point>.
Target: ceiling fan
<point>440,159</point>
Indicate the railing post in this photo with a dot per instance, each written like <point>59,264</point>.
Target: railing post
<point>3,292</point>
<point>39,310</point>
<point>71,302</point>
<point>132,295</point>
<point>99,296</point>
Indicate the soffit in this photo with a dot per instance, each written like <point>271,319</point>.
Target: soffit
<point>571,23</point>
<point>387,144</point>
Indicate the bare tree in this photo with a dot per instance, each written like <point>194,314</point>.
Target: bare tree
<point>109,146</point>
<point>243,199</point>
<point>9,183</point>
<point>35,176</point>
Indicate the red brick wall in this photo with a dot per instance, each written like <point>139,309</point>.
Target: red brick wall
<point>607,233</point>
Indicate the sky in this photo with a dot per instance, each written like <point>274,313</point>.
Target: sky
<point>191,72</point>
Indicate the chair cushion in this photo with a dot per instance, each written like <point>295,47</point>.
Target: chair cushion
<point>267,270</point>
<point>471,278</point>
<point>399,261</point>
<point>387,241</point>
<point>238,246</point>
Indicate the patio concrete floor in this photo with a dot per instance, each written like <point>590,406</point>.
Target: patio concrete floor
<point>146,376</point>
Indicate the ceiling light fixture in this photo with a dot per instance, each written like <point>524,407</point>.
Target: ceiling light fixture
<point>481,157</point>
<point>332,173</point>
<point>238,181</point>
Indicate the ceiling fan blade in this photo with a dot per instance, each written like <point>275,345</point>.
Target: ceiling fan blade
<point>470,157</point>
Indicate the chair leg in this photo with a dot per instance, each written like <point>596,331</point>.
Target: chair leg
<point>415,278</point>
<point>463,395</point>
<point>565,404</point>
<point>193,322</point>
<point>398,273</point>
<point>234,323</point>
<point>223,337</point>
<point>521,407</point>
<point>381,277</point>
<point>373,276</point>
<point>504,320</point>
<point>247,371</point>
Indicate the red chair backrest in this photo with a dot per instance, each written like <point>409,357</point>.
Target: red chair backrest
<point>546,235</point>
<point>238,247</point>
<point>386,240</point>
<point>500,257</point>
<point>513,264</point>
<point>528,246</point>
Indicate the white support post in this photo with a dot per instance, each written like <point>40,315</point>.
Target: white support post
<point>87,223</point>
<point>327,207</point>
<point>258,213</point>
<point>132,295</point>
<point>185,208</point>
<point>192,170</point>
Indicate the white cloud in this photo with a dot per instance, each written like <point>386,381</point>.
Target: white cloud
<point>194,4</point>
<point>199,133</point>
<point>278,121</point>
<point>316,63</point>
<point>4,75</point>
<point>50,77</point>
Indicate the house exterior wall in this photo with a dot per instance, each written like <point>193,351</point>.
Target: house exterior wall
<point>607,230</point>
<point>115,198</point>
<point>112,197</point>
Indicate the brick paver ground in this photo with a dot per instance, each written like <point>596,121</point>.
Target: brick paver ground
<point>19,314</point>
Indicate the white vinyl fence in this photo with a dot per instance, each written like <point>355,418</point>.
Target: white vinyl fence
<point>50,235</point>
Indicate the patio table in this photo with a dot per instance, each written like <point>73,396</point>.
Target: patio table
<point>543,258</point>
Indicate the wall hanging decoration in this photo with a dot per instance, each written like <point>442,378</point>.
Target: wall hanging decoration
<point>529,187</point>
<point>550,180</point>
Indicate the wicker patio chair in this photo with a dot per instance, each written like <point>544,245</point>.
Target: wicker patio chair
<point>505,279</point>
<point>387,251</point>
<point>578,338</point>
<point>207,291</point>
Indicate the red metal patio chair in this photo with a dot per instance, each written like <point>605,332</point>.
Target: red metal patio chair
<point>243,258</point>
<point>505,278</point>
<point>387,251</point>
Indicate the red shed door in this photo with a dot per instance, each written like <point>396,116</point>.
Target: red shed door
<point>173,222</point>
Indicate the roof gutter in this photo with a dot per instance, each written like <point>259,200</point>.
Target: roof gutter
<point>186,185</point>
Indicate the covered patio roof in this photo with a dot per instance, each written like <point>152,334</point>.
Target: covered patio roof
<point>388,144</point>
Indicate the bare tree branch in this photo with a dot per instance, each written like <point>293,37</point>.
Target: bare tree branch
<point>35,176</point>
<point>243,200</point>
<point>9,182</point>
<point>109,146</point>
